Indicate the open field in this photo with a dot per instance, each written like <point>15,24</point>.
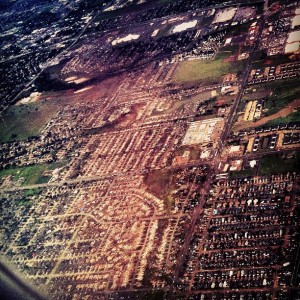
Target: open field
<point>22,121</point>
<point>178,105</point>
<point>275,164</point>
<point>159,183</point>
<point>271,164</point>
<point>284,115</point>
<point>31,174</point>
<point>199,71</point>
<point>255,92</point>
<point>261,61</point>
<point>208,71</point>
<point>281,100</point>
<point>283,94</point>
<point>293,117</point>
<point>194,151</point>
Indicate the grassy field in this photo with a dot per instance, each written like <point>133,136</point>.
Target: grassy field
<point>31,174</point>
<point>260,60</point>
<point>276,163</point>
<point>159,183</point>
<point>283,93</point>
<point>19,122</point>
<point>271,164</point>
<point>256,92</point>
<point>293,117</point>
<point>200,71</point>
<point>194,151</point>
<point>27,199</point>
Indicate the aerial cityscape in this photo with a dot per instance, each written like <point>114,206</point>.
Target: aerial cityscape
<point>151,149</point>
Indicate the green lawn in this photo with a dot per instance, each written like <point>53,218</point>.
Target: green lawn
<point>31,174</point>
<point>282,93</point>
<point>202,71</point>
<point>293,117</point>
<point>273,164</point>
<point>261,60</point>
<point>159,183</point>
<point>23,121</point>
<point>20,122</point>
<point>195,151</point>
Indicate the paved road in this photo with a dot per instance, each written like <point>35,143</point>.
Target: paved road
<point>224,135</point>
<point>243,84</point>
<point>198,211</point>
<point>52,184</point>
